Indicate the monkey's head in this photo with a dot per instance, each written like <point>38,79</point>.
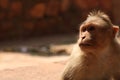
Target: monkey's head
<point>96,32</point>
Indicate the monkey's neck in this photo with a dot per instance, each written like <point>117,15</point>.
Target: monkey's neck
<point>101,54</point>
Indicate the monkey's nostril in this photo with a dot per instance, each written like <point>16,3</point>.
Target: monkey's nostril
<point>83,37</point>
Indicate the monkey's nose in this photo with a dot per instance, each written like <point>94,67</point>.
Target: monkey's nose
<point>83,37</point>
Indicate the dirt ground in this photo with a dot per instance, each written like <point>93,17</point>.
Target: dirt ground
<point>24,66</point>
<point>17,66</point>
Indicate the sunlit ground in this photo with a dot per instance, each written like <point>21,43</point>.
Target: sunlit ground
<point>36,58</point>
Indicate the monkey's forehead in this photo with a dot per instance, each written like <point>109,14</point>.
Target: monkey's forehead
<point>99,19</point>
<point>96,21</point>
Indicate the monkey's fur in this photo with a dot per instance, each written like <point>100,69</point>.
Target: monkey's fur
<point>96,55</point>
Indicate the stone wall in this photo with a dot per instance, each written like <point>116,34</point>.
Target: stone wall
<point>21,18</point>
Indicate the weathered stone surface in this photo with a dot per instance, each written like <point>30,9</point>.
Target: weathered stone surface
<point>15,9</point>
<point>116,11</point>
<point>29,25</point>
<point>6,26</point>
<point>106,4</point>
<point>4,4</point>
<point>53,8</point>
<point>52,16</point>
<point>38,11</point>
<point>65,4</point>
<point>2,15</point>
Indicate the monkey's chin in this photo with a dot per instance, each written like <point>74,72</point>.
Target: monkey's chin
<point>86,46</point>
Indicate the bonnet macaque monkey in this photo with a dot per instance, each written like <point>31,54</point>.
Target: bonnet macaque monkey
<point>96,55</point>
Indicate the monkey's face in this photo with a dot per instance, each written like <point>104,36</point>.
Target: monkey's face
<point>95,33</point>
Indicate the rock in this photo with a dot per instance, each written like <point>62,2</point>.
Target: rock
<point>53,8</point>
<point>4,4</point>
<point>65,4</point>
<point>61,49</point>
<point>38,10</point>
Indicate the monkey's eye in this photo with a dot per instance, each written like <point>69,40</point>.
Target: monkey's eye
<point>91,28</point>
<point>84,29</point>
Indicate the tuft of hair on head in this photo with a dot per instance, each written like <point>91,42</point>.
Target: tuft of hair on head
<point>99,13</point>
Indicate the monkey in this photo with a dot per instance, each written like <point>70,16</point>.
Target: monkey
<point>96,54</point>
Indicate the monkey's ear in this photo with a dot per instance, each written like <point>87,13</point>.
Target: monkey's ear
<point>115,29</point>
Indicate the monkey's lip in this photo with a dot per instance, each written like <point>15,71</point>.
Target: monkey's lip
<point>85,44</point>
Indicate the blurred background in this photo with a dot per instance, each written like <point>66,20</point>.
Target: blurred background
<point>36,25</point>
<point>28,18</point>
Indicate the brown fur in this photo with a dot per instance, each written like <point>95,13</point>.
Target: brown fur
<point>96,55</point>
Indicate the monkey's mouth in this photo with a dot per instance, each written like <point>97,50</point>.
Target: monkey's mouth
<point>85,44</point>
